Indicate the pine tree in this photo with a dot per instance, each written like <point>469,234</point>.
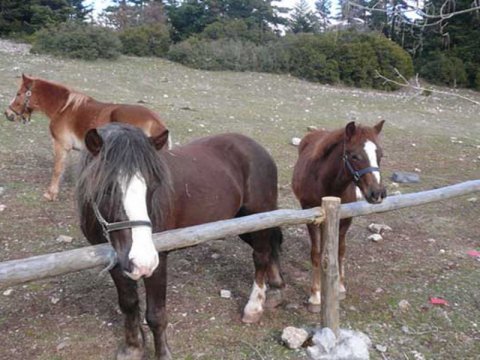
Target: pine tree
<point>302,19</point>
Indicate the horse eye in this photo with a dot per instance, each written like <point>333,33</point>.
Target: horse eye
<point>356,157</point>
<point>18,94</point>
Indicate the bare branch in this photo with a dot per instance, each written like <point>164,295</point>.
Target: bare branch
<point>406,84</point>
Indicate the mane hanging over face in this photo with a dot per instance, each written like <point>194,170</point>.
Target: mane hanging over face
<point>125,152</point>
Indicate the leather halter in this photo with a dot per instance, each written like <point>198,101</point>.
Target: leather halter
<point>107,227</point>
<point>357,174</point>
<point>26,102</point>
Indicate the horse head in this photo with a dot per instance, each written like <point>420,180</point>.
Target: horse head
<point>122,208</point>
<point>20,108</point>
<point>361,156</point>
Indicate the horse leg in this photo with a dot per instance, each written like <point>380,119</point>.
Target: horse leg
<point>156,315</point>
<point>274,274</point>
<point>314,302</point>
<point>261,257</point>
<point>60,154</point>
<point>344,225</point>
<point>133,349</point>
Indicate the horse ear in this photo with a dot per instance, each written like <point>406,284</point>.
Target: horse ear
<point>379,126</point>
<point>93,141</point>
<point>26,79</point>
<point>350,129</point>
<point>159,141</point>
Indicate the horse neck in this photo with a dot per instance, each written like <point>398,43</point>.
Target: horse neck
<point>336,180</point>
<point>49,98</point>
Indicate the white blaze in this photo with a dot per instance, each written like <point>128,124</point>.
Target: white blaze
<point>371,151</point>
<point>142,254</point>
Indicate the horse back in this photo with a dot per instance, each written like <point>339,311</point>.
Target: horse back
<point>214,177</point>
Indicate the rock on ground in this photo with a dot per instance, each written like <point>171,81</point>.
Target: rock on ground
<point>295,141</point>
<point>379,228</point>
<point>405,177</point>
<point>350,345</point>
<point>294,337</point>
<point>375,237</point>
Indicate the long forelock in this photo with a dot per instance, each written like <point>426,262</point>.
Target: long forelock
<point>125,153</point>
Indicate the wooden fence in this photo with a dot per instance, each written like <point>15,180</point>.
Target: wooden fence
<point>16,272</point>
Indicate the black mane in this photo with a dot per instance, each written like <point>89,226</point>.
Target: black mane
<point>126,151</point>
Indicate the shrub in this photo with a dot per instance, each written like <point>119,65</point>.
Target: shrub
<point>228,54</point>
<point>444,70</point>
<point>350,57</point>
<point>146,40</point>
<point>236,29</point>
<point>78,41</point>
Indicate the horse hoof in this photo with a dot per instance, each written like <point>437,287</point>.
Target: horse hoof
<point>251,318</point>
<point>314,308</point>
<point>274,299</point>
<point>130,353</point>
<point>50,196</point>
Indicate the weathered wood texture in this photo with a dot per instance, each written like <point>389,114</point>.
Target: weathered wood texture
<point>20,271</point>
<point>409,200</point>
<point>15,272</point>
<point>329,264</point>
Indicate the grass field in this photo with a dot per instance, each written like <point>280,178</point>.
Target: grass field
<point>77,317</point>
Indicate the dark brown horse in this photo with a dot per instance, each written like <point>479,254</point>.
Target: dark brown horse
<point>333,163</point>
<point>128,189</point>
<point>71,115</point>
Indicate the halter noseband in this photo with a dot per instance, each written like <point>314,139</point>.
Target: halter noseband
<point>107,227</point>
<point>357,174</point>
<point>26,102</point>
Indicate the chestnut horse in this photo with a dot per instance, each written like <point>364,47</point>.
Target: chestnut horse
<point>71,115</point>
<point>334,163</point>
<point>128,189</point>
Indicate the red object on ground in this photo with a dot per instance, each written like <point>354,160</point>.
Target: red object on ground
<point>474,253</point>
<point>438,301</point>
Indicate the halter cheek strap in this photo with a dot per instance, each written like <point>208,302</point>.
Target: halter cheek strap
<point>26,102</point>
<point>107,227</point>
<point>357,174</point>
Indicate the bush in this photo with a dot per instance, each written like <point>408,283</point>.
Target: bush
<point>236,29</point>
<point>349,57</point>
<point>146,40</point>
<point>77,41</point>
<point>444,70</point>
<point>228,54</point>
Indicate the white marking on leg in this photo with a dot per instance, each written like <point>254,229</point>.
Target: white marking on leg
<point>143,254</point>
<point>371,151</point>
<point>315,298</point>
<point>256,300</point>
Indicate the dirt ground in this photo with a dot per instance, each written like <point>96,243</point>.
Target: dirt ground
<point>77,317</point>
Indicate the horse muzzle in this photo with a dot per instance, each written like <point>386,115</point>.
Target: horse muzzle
<point>10,115</point>
<point>376,196</point>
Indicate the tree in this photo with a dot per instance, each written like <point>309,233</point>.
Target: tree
<point>323,8</point>
<point>28,16</point>
<point>302,19</point>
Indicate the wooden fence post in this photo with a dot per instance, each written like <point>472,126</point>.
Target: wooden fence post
<point>329,263</point>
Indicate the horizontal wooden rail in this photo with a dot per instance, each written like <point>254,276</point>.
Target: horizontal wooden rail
<point>409,200</point>
<point>15,272</point>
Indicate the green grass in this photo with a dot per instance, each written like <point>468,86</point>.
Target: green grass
<point>272,109</point>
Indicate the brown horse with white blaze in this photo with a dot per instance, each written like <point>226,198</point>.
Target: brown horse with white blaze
<point>334,163</point>
<point>128,189</point>
<point>71,115</point>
